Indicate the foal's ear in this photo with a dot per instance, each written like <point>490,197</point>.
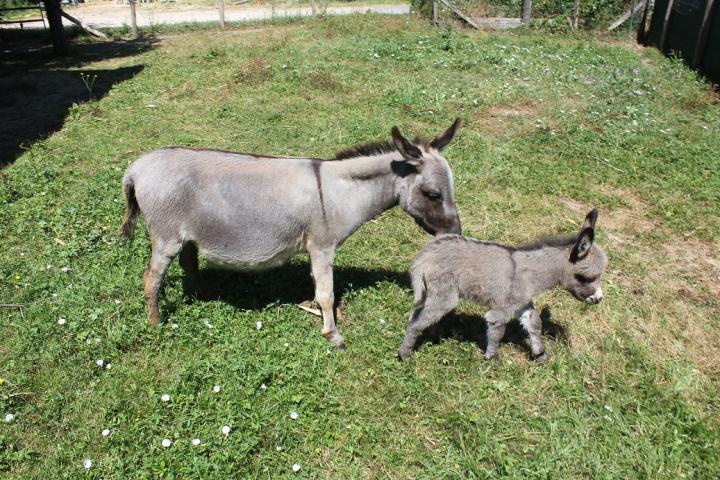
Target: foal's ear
<point>411,153</point>
<point>590,219</point>
<point>440,142</point>
<point>586,237</point>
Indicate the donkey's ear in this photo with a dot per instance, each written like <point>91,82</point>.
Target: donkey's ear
<point>582,245</point>
<point>410,152</point>
<point>590,219</point>
<point>439,143</point>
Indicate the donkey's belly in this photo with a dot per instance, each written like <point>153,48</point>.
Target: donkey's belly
<point>249,257</point>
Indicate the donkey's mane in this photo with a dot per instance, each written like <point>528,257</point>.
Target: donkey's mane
<point>367,149</point>
<point>374,148</point>
<point>558,241</point>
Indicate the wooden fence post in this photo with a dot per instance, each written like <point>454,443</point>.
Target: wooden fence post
<point>133,18</point>
<point>666,25</point>
<point>576,15</point>
<point>527,7</point>
<point>703,34</point>
<point>57,31</point>
<point>221,11</point>
<point>434,13</point>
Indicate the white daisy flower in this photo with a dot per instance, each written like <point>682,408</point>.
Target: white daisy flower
<point>296,467</point>
<point>263,386</point>
<point>65,269</point>
<point>226,430</point>
<point>166,443</point>
<point>175,326</point>
<point>216,389</point>
<point>286,344</point>
<point>117,302</point>
<point>9,418</point>
<point>195,442</point>
<point>259,325</point>
<point>294,415</point>
<point>106,432</point>
<point>165,398</point>
<point>61,321</point>
<point>100,362</point>
<point>279,448</point>
<point>108,366</point>
<point>87,463</point>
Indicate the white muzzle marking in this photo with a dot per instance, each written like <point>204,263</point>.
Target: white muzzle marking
<point>595,297</point>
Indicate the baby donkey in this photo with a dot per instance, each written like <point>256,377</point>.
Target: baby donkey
<point>504,278</point>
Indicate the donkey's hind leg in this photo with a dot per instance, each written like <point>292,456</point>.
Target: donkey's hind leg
<point>431,305</point>
<point>191,266</point>
<point>162,255</point>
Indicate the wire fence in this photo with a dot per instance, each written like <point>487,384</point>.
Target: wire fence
<point>550,14</point>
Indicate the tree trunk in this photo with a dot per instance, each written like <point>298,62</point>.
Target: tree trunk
<point>527,12</point>
<point>57,31</point>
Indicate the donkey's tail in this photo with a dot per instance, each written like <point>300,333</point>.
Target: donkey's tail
<point>131,208</point>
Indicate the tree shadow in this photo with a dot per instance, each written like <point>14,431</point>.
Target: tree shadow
<point>472,328</point>
<point>290,283</point>
<point>39,89</point>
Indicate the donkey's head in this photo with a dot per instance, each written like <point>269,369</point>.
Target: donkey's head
<point>585,264</point>
<point>426,182</point>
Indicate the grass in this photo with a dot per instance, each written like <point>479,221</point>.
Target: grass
<point>554,125</point>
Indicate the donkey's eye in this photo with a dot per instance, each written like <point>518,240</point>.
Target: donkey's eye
<point>583,279</point>
<point>432,195</point>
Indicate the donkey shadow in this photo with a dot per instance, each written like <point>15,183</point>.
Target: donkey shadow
<point>290,283</point>
<point>472,328</point>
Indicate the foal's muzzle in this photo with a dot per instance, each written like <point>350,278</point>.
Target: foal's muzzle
<point>595,298</point>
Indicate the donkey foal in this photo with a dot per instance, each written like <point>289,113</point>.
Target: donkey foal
<point>504,278</point>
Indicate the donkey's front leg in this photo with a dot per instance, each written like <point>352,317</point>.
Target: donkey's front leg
<point>321,260</point>
<point>531,322</point>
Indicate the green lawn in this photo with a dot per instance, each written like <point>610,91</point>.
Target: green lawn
<point>554,126</point>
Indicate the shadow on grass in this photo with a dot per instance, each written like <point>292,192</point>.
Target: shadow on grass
<point>472,328</point>
<point>39,90</point>
<point>290,283</point>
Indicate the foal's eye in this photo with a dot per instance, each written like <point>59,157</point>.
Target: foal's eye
<point>583,279</point>
<point>432,195</point>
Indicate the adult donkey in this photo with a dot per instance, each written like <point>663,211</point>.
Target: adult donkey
<point>253,212</point>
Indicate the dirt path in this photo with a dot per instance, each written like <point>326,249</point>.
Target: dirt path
<point>115,15</point>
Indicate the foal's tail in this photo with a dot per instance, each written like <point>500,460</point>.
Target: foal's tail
<point>131,208</point>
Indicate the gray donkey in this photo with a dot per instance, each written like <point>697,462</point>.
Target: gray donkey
<point>505,279</point>
<point>253,212</point>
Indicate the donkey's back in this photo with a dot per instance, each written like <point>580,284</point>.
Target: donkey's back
<point>230,205</point>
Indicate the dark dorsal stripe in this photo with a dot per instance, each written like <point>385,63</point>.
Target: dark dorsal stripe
<point>316,164</point>
<point>563,241</point>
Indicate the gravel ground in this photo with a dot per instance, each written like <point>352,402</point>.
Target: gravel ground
<point>115,15</point>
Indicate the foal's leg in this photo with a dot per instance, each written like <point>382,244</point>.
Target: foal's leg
<point>191,266</point>
<point>321,261</point>
<point>162,254</point>
<point>439,299</point>
<point>531,322</point>
<point>496,321</point>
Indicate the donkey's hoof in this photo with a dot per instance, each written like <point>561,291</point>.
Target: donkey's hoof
<point>542,358</point>
<point>489,356</point>
<point>404,354</point>
<point>336,340</point>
